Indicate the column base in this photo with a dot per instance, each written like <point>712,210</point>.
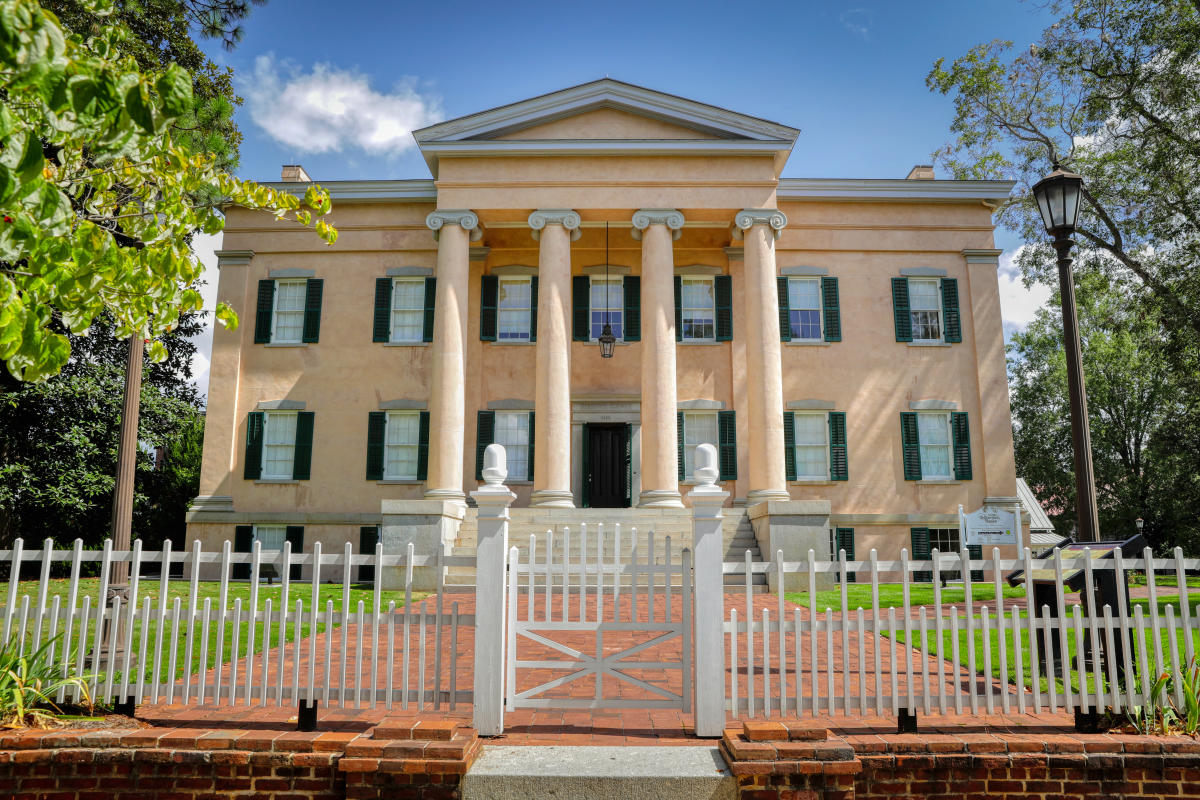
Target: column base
<point>660,498</point>
<point>447,496</point>
<point>755,496</point>
<point>551,498</point>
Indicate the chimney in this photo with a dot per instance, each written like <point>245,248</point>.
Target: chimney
<point>921,172</point>
<point>294,173</point>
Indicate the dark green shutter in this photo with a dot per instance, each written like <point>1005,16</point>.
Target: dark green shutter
<point>581,308</point>
<point>586,491</point>
<point>628,465</point>
<point>723,291</point>
<point>529,470</point>
<point>975,553</point>
<point>430,303</point>
<point>679,442</point>
<point>910,444</point>
<point>254,445</point>
<point>900,310</point>
<point>633,309</point>
<point>785,311</point>
<point>919,538</point>
<point>423,446</point>
<point>789,445</point>
<point>302,459</point>
<point>489,293</point>
<point>381,327</point>
<point>243,542</point>
<point>485,434</point>
<point>844,540</point>
<point>295,535</point>
<point>314,288</point>
<point>727,447</point>
<point>961,431</point>
<point>533,298</point>
<point>831,309</point>
<point>839,464</point>
<point>266,305</point>
<point>952,320</point>
<point>376,432</point>
<point>368,537</point>
<point>678,308</point>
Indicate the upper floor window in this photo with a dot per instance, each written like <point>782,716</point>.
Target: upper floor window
<point>698,310</point>
<point>279,444</point>
<point>607,306</point>
<point>408,309</point>
<point>289,311</point>
<point>934,430</point>
<point>400,450</point>
<point>812,446</point>
<point>804,308</point>
<point>925,310</point>
<point>515,306</point>
<point>936,445</point>
<point>815,446</point>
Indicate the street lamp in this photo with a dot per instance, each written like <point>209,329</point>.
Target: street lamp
<point>1058,197</point>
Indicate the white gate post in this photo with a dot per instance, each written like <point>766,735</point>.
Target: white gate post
<point>491,557</point>
<point>707,544</point>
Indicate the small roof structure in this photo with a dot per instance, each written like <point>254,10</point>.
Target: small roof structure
<point>1041,530</point>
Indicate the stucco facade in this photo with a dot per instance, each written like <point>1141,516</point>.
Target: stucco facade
<point>589,160</point>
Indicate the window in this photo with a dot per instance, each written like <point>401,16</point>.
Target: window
<point>934,432</point>
<point>271,537</point>
<point>699,427</point>
<point>804,308</point>
<point>944,540</point>
<point>812,446</point>
<point>279,445</point>
<point>400,449</point>
<point>925,308</point>
<point>698,311</point>
<point>607,305</point>
<point>512,431</point>
<point>514,304</point>
<point>408,309</point>
<point>288,314</point>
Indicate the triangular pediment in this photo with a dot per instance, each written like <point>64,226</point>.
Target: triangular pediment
<point>628,118</point>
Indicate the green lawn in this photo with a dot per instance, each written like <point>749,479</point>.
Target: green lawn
<point>891,595</point>
<point>206,589</point>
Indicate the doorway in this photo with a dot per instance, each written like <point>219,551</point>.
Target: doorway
<point>607,462</point>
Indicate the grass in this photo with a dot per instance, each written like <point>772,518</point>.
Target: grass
<point>891,595</point>
<point>206,589</point>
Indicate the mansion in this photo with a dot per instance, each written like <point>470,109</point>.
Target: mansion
<point>838,340</point>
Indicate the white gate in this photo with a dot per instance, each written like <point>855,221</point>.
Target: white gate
<point>599,622</point>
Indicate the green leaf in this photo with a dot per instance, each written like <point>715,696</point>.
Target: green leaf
<point>30,164</point>
<point>139,108</point>
<point>7,183</point>
<point>174,87</point>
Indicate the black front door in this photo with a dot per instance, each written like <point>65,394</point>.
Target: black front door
<point>606,466</point>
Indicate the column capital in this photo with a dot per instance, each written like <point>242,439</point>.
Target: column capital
<point>463,217</point>
<point>747,218</point>
<point>644,218</point>
<point>989,256</point>
<point>554,216</point>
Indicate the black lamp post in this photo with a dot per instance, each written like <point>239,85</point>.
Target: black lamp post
<point>1058,196</point>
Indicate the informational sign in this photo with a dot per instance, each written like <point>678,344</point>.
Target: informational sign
<point>1072,553</point>
<point>990,526</point>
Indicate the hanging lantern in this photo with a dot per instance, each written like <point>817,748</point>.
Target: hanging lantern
<point>608,342</point>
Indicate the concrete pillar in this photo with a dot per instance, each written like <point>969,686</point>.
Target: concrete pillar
<point>447,411</point>
<point>491,554</point>
<point>708,552</point>
<point>658,228</point>
<point>764,390</point>
<point>554,229</point>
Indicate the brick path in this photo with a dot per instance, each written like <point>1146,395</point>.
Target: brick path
<point>552,726</point>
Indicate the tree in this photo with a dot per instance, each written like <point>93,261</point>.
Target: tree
<point>1111,91</point>
<point>98,198</point>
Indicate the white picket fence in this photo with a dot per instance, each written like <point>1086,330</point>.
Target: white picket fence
<point>943,658</point>
<point>280,650</point>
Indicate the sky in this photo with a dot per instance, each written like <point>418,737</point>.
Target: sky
<point>339,87</point>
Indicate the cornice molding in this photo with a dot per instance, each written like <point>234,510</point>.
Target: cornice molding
<point>983,256</point>
<point>464,218</point>
<point>566,217</point>
<point>233,258</point>
<point>644,218</point>
<point>747,218</point>
<point>884,189</point>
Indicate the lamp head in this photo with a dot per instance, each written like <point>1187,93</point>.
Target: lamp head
<point>1057,197</point>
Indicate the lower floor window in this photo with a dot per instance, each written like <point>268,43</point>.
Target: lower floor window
<point>400,456</point>
<point>812,446</point>
<point>934,430</point>
<point>512,431</point>
<point>699,427</point>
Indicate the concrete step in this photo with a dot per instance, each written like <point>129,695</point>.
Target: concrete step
<point>599,773</point>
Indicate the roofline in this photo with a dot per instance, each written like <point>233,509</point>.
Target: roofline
<point>576,147</point>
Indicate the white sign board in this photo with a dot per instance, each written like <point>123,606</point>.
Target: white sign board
<point>991,526</point>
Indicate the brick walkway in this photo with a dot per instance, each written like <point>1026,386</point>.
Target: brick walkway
<point>552,726</point>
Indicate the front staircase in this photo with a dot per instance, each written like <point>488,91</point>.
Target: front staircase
<point>567,524</point>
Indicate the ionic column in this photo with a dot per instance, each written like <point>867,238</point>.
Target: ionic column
<point>760,228</point>
<point>658,228</point>
<point>453,229</point>
<point>554,228</point>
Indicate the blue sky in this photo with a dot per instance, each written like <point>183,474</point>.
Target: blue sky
<point>338,87</point>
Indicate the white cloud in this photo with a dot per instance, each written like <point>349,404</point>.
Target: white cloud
<point>205,245</point>
<point>331,109</point>
<point>1018,304</point>
<point>857,21</point>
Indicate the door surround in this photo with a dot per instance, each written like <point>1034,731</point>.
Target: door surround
<point>607,409</point>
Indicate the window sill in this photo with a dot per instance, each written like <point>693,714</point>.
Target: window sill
<point>286,344</point>
<point>511,344</point>
<point>701,344</point>
<point>815,343</point>
<point>814,482</point>
<point>404,344</point>
<point>938,482</point>
<point>928,344</point>
<point>400,482</point>
<point>594,343</point>
<point>277,480</point>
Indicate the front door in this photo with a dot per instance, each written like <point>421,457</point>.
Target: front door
<point>606,456</point>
